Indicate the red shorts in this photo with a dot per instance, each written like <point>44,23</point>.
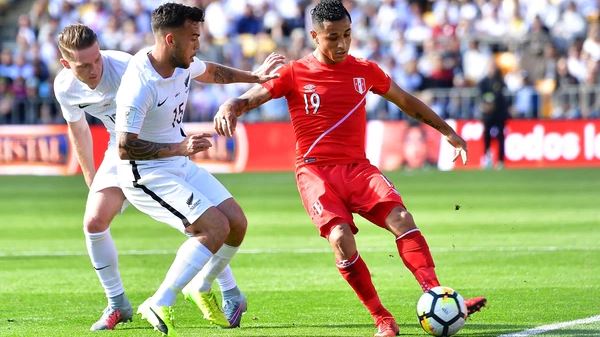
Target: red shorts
<point>330,194</point>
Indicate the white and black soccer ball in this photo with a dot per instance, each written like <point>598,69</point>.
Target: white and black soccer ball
<point>441,311</point>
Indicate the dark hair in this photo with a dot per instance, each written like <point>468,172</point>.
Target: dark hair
<point>174,15</point>
<point>329,10</point>
<point>75,37</point>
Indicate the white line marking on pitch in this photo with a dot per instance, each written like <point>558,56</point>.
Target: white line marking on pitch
<point>551,327</point>
<point>299,251</point>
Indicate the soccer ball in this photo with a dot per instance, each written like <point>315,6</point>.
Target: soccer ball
<point>441,311</point>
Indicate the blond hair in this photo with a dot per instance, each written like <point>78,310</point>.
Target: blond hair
<point>75,37</point>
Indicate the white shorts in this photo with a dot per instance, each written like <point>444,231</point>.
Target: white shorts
<point>174,191</point>
<point>106,175</point>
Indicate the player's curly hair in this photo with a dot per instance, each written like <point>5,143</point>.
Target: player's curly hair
<point>173,15</point>
<point>329,10</point>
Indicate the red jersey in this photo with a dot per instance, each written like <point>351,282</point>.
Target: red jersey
<point>327,106</point>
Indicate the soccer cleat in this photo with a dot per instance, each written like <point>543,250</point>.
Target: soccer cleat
<point>387,327</point>
<point>475,304</point>
<point>113,316</point>
<point>234,309</point>
<point>207,303</point>
<point>160,317</point>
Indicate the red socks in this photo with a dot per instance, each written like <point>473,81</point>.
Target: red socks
<point>415,254</point>
<point>356,273</point>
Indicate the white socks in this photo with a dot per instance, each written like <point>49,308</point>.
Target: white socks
<point>218,265</point>
<point>226,280</point>
<point>190,258</point>
<point>103,254</point>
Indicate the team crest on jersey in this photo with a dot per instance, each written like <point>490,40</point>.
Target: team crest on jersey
<point>310,88</point>
<point>360,85</point>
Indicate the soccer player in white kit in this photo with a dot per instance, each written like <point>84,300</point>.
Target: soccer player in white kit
<point>156,173</point>
<point>88,84</point>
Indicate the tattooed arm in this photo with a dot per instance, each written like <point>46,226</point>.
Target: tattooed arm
<point>133,148</point>
<point>412,106</point>
<point>218,73</point>
<point>225,120</point>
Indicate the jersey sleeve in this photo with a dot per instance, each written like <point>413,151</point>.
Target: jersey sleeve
<point>197,67</point>
<point>68,110</point>
<point>380,80</point>
<point>281,86</point>
<point>134,99</point>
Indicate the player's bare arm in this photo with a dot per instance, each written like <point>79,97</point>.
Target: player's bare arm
<point>133,148</point>
<point>225,120</point>
<point>218,73</point>
<point>81,137</point>
<point>420,111</point>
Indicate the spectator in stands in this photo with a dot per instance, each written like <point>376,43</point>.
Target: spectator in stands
<point>408,30</point>
<point>7,68</point>
<point>533,49</point>
<point>570,26</point>
<point>7,101</point>
<point>526,98</point>
<point>494,113</point>
<point>475,62</point>
<point>249,22</point>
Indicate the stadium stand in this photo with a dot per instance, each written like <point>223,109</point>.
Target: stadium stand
<point>548,50</point>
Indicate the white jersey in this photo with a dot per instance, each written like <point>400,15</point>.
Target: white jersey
<point>76,98</point>
<point>152,106</point>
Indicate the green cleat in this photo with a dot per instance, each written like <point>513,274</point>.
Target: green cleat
<point>207,303</point>
<point>160,317</point>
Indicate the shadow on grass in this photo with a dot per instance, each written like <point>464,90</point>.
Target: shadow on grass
<point>477,330</point>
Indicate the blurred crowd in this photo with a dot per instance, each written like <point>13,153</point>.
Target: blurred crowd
<point>547,51</point>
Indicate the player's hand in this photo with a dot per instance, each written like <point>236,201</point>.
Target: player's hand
<point>266,72</point>
<point>225,121</point>
<point>196,143</point>
<point>460,147</point>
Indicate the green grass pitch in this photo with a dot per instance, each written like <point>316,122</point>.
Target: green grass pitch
<point>529,240</point>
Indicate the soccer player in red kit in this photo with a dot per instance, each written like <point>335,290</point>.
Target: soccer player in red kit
<point>326,93</point>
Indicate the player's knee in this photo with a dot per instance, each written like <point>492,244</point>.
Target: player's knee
<point>238,224</point>
<point>95,224</point>
<point>338,234</point>
<point>400,221</point>
<point>216,228</point>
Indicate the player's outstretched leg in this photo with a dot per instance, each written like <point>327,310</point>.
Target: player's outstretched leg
<point>207,303</point>
<point>475,304</point>
<point>415,254</point>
